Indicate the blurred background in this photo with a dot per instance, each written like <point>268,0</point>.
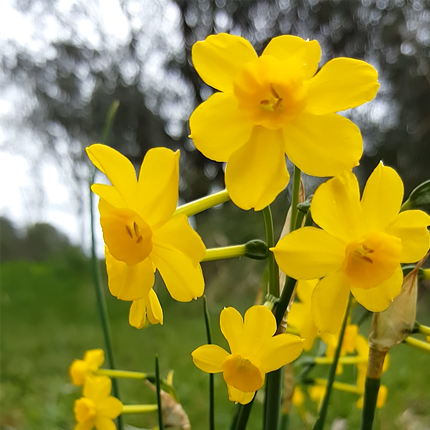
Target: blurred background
<point>63,63</point>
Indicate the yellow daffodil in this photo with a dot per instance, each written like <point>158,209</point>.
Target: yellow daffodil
<point>138,228</point>
<point>147,308</point>
<point>80,369</point>
<point>273,105</point>
<point>360,246</point>
<point>97,408</point>
<point>255,351</point>
<point>300,315</point>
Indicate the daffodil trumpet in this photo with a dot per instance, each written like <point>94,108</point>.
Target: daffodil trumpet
<point>203,204</point>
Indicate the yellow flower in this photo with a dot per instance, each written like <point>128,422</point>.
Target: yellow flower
<point>138,228</point>
<point>97,408</point>
<point>148,307</point>
<point>360,246</point>
<point>273,105</point>
<point>300,315</point>
<point>80,369</point>
<point>254,351</point>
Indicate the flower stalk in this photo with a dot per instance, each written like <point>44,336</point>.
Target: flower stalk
<point>138,409</point>
<point>319,425</point>
<point>203,204</point>
<point>419,344</point>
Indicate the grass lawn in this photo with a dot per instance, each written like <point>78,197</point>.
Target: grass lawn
<point>49,317</point>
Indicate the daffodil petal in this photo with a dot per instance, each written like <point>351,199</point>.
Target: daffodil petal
<point>147,307</point>
<point>379,298</point>
<point>104,423</point>
<point>259,326</point>
<point>129,282</point>
<point>178,234</point>
<point>336,207</point>
<point>117,168</point>
<point>183,278</point>
<point>109,194</point>
<point>110,407</point>
<point>382,198</point>
<point>157,190</point>
<point>329,302</point>
<point>300,317</point>
<point>231,323</point>
<point>97,388</point>
<point>309,253</point>
<point>286,46</point>
<point>411,228</point>
<point>237,396</point>
<point>154,310</point>
<point>341,84</point>
<point>323,145</point>
<point>87,425</point>
<point>94,358</point>
<point>137,314</point>
<point>219,58</point>
<point>209,358</point>
<point>279,351</point>
<point>218,128</point>
<point>257,172</point>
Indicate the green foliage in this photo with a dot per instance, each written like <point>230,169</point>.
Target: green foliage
<point>49,317</point>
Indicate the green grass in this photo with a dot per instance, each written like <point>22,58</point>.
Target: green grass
<point>49,317</point>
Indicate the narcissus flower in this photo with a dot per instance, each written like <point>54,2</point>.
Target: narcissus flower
<point>97,408</point>
<point>80,369</point>
<point>273,105</point>
<point>255,351</point>
<point>360,246</point>
<point>138,228</point>
<point>300,315</point>
<point>147,308</point>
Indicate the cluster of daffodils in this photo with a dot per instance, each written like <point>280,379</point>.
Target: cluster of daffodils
<point>97,408</point>
<point>267,108</point>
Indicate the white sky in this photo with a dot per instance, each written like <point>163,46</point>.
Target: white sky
<point>19,197</point>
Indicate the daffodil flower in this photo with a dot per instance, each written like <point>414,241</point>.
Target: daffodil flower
<point>97,408</point>
<point>148,308</point>
<point>138,228</point>
<point>255,351</point>
<point>80,369</point>
<point>273,105</point>
<point>300,315</point>
<point>360,246</point>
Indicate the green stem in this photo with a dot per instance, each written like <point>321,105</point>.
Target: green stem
<point>295,197</point>
<point>241,419</point>
<point>419,344</point>
<point>425,274</point>
<point>211,375</point>
<point>286,295</point>
<point>224,252</point>
<point>126,374</point>
<point>254,249</point>
<point>406,206</point>
<point>138,409</point>
<point>158,386</point>
<point>272,399</point>
<point>371,390</point>
<point>101,299</point>
<point>319,425</point>
<point>200,205</point>
<point>340,386</point>
<point>273,288</point>
<point>423,329</point>
<point>101,302</point>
